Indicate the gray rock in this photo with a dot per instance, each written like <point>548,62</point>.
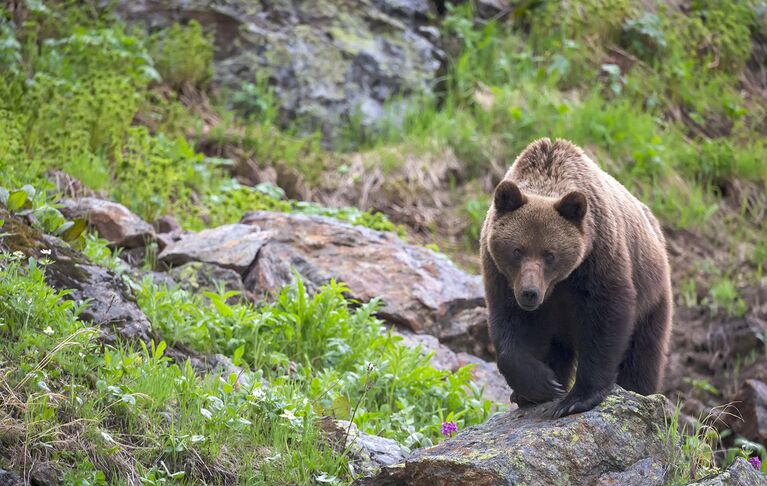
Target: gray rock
<point>9,478</point>
<point>469,323</point>
<point>113,222</point>
<point>747,413</point>
<point>233,246</point>
<point>523,447</point>
<point>488,9</point>
<point>421,290</point>
<point>167,224</point>
<point>326,60</point>
<point>740,473</point>
<point>646,472</point>
<point>367,452</point>
<point>199,276</point>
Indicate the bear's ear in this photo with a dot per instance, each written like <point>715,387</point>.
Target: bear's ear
<point>508,197</point>
<point>572,206</point>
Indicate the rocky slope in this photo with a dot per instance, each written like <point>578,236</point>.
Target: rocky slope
<point>326,60</point>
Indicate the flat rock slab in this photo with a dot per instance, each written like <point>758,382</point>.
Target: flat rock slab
<point>420,289</point>
<point>232,246</point>
<point>615,443</point>
<point>113,222</point>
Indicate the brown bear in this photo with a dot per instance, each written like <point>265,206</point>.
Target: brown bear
<point>575,270</point>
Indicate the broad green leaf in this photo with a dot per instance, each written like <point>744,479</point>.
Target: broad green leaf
<point>237,356</point>
<point>158,352</point>
<point>61,229</point>
<point>17,200</point>
<point>341,407</point>
<point>50,218</point>
<point>74,231</point>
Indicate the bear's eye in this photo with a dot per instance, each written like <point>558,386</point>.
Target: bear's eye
<point>548,257</point>
<point>517,253</point>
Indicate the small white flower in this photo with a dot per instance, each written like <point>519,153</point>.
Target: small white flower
<point>17,254</point>
<point>45,251</point>
<point>288,414</point>
<point>48,330</point>
<point>258,393</point>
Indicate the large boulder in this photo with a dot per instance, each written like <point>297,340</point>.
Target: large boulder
<point>420,289</point>
<point>326,60</point>
<point>615,443</point>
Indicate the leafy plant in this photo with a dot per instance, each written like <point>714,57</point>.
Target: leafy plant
<point>183,55</point>
<point>723,296</point>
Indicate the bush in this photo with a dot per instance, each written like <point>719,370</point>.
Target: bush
<point>183,55</point>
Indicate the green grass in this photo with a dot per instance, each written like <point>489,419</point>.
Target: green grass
<point>328,352</point>
<point>108,414</point>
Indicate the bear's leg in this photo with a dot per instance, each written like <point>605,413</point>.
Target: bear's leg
<point>604,330</point>
<point>561,360</point>
<point>643,364</point>
<point>520,341</point>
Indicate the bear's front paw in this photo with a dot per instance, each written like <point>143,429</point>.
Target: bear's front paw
<point>542,392</point>
<point>576,403</point>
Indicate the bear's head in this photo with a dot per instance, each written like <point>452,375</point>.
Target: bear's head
<point>536,241</point>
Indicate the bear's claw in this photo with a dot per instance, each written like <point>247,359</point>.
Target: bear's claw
<point>576,403</point>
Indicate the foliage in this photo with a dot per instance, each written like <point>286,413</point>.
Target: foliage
<point>231,200</point>
<point>183,55</point>
<point>322,348</point>
<point>659,98</point>
<point>83,404</point>
<point>26,201</point>
<point>310,356</point>
<point>690,453</point>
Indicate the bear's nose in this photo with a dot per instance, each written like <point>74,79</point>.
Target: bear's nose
<point>530,296</point>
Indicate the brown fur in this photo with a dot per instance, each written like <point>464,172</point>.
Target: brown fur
<point>575,269</point>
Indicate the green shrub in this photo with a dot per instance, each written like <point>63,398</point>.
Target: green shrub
<point>341,357</point>
<point>183,55</point>
<point>169,170</point>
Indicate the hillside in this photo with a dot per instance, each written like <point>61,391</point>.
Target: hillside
<point>235,234</point>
